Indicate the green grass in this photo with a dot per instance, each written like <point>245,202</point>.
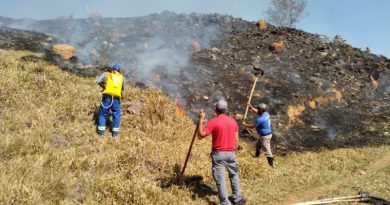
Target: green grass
<point>50,154</point>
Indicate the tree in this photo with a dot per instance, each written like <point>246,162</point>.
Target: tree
<point>286,12</point>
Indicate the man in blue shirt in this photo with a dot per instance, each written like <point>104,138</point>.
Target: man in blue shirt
<point>263,129</point>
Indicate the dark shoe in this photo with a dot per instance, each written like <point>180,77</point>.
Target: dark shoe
<point>241,202</point>
<point>100,133</point>
<point>270,161</point>
<point>115,134</point>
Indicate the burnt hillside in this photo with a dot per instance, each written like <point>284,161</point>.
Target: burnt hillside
<point>321,92</point>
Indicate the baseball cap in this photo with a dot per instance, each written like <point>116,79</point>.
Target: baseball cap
<point>221,104</point>
<point>117,67</point>
<point>262,106</point>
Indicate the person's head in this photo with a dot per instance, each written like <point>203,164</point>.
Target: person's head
<point>116,67</point>
<point>261,108</point>
<point>108,68</point>
<point>220,107</point>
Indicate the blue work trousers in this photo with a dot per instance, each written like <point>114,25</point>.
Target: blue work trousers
<point>109,103</point>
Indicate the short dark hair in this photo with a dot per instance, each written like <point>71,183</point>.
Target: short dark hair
<point>220,111</point>
<point>260,111</point>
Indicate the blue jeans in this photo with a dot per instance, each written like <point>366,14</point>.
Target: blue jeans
<point>108,103</point>
<point>220,161</point>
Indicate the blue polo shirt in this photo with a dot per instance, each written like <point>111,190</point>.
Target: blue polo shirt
<point>263,124</point>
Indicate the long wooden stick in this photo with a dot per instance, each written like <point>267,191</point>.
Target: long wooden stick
<point>179,177</point>
<point>250,97</point>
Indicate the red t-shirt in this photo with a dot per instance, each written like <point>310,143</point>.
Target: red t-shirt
<point>223,129</point>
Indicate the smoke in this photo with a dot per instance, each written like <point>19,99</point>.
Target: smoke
<point>154,50</point>
<point>336,121</point>
<point>159,55</point>
<point>87,8</point>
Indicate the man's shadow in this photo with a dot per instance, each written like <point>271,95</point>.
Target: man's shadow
<point>194,183</point>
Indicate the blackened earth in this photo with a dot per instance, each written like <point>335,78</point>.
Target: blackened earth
<point>318,90</point>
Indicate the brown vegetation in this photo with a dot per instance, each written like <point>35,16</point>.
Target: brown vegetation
<point>262,25</point>
<point>50,153</point>
<point>277,47</point>
<point>64,50</point>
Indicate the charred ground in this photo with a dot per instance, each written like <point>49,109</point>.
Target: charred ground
<point>319,91</point>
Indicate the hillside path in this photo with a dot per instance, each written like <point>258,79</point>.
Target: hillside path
<point>314,193</point>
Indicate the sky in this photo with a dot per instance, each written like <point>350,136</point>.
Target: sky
<point>362,23</point>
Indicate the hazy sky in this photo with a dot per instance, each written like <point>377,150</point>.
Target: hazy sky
<point>363,23</point>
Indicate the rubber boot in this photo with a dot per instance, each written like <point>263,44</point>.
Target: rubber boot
<point>258,150</point>
<point>270,161</point>
<point>257,154</point>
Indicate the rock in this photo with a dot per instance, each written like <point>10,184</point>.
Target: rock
<point>315,128</point>
<point>314,79</point>
<point>213,56</point>
<point>323,54</point>
<point>239,117</point>
<point>215,50</point>
<point>361,172</point>
<point>64,50</point>
<point>206,98</point>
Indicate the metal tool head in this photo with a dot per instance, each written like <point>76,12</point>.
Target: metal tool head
<point>259,73</point>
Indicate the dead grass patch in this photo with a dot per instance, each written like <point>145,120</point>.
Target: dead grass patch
<point>295,111</point>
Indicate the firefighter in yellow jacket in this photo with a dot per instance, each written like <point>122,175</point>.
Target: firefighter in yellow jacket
<point>112,83</point>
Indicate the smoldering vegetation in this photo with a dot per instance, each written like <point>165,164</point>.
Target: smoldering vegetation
<point>321,92</point>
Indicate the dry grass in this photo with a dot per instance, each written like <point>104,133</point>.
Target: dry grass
<point>278,47</point>
<point>64,50</point>
<point>50,153</point>
<point>350,51</point>
<point>262,25</point>
<point>294,112</point>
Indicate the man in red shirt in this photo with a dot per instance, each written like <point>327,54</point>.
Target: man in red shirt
<point>224,131</point>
